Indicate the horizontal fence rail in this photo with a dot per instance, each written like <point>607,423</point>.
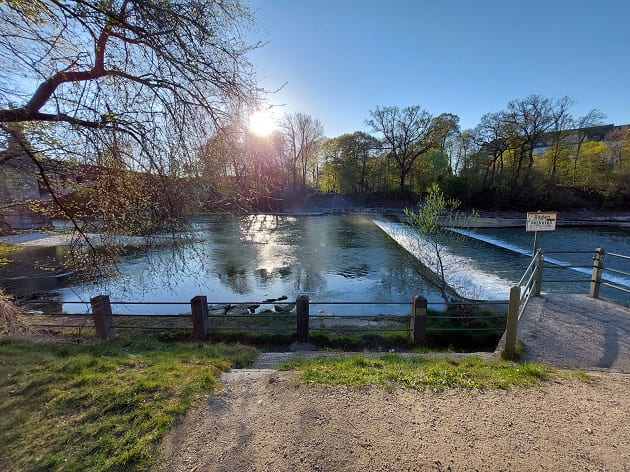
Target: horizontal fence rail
<point>617,287</point>
<point>294,317</point>
<point>622,256</point>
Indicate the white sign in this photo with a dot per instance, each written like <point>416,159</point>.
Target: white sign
<point>541,221</point>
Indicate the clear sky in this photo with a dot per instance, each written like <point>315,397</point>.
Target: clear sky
<point>342,58</point>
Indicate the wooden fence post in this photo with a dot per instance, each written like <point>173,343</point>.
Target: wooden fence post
<point>540,261</point>
<point>596,278</point>
<point>512,322</point>
<point>103,320</point>
<point>199,310</point>
<point>419,319</point>
<point>302,308</point>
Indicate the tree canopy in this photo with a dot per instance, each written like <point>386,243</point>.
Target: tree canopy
<point>410,133</point>
<point>119,64</point>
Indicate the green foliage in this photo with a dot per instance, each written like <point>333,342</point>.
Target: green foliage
<point>100,406</point>
<point>429,219</point>
<point>6,250</point>
<point>419,373</point>
<point>430,168</point>
<point>461,328</point>
<point>349,160</point>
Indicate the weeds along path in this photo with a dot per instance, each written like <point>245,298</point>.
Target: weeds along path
<point>271,360</point>
<point>264,420</point>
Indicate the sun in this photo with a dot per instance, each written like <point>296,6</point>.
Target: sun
<point>262,123</point>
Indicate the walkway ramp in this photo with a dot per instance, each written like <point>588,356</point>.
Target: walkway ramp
<point>576,331</point>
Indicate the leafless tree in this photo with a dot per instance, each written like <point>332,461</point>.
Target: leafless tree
<point>147,79</point>
<point>303,135</point>
<point>530,119</point>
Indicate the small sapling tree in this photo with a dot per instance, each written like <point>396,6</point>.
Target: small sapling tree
<point>429,226</point>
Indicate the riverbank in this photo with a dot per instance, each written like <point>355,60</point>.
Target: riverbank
<point>48,239</point>
<point>567,219</point>
<point>486,219</point>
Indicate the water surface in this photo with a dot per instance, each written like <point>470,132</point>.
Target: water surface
<point>346,258</point>
<point>330,258</point>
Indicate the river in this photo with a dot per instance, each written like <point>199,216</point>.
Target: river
<point>331,258</point>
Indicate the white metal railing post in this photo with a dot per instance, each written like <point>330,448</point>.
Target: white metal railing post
<point>596,278</point>
<point>540,261</point>
<point>512,322</point>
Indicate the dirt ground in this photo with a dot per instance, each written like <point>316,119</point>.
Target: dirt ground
<point>265,420</point>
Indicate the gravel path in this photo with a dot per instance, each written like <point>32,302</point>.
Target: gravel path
<point>267,421</point>
<point>576,331</point>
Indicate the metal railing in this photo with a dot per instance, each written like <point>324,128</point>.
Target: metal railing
<point>598,271</point>
<point>532,280</point>
<point>611,270</point>
<point>529,284</point>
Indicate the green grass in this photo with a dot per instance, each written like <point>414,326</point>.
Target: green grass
<point>416,372</point>
<point>101,406</point>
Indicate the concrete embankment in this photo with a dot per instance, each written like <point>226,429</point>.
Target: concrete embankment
<point>486,219</point>
<point>514,219</point>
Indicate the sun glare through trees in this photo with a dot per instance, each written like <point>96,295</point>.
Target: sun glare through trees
<point>262,123</point>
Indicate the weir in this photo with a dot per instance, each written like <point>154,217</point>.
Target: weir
<point>620,280</point>
<point>464,274</point>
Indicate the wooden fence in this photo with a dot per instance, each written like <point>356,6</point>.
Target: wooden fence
<point>299,321</point>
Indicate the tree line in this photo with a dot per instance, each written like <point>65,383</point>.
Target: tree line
<point>532,153</point>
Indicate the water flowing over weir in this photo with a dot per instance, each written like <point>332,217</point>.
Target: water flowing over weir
<point>618,280</point>
<point>463,273</point>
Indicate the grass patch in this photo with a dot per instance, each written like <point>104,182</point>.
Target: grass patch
<point>417,372</point>
<point>101,406</point>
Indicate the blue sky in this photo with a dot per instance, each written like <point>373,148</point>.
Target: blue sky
<point>340,59</point>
